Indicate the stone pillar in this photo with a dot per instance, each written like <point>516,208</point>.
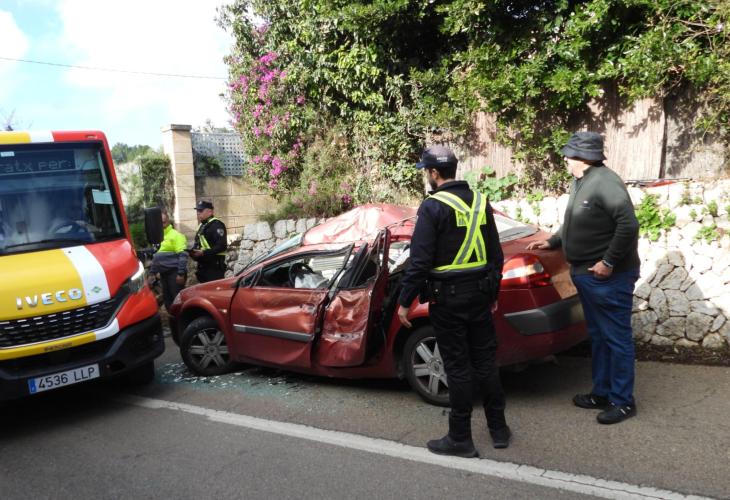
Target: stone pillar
<point>177,145</point>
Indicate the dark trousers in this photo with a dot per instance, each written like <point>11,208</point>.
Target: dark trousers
<point>607,309</point>
<point>467,342</point>
<point>170,288</point>
<point>211,270</point>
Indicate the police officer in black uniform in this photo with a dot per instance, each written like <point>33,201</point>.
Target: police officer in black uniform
<point>456,263</point>
<point>210,244</point>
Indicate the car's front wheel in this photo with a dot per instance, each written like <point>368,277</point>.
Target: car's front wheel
<point>424,367</point>
<point>204,349</point>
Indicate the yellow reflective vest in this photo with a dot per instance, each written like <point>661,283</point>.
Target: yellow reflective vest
<point>204,245</point>
<point>473,250</point>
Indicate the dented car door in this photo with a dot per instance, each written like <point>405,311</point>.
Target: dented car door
<point>352,330</point>
<point>276,318</point>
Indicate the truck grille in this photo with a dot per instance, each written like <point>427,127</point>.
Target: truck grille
<point>36,329</point>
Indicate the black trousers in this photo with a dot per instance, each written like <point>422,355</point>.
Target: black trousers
<point>465,334</point>
<point>211,270</point>
<point>170,288</point>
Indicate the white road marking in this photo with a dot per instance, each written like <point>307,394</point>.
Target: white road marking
<point>586,485</point>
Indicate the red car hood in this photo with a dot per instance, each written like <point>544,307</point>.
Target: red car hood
<point>362,224</point>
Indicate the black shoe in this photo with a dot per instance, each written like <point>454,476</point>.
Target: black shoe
<point>591,402</point>
<point>616,414</point>
<point>500,437</point>
<point>447,446</point>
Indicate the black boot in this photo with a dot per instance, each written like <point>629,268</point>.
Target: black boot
<point>500,437</point>
<point>447,446</point>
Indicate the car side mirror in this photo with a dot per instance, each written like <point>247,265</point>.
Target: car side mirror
<point>153,225</point>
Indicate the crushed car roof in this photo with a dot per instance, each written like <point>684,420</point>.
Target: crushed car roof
<point>362,224</point>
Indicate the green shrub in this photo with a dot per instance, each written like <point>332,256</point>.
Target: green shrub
<point>708,233</point>
<point>534,200</point>
<point>139,238</point>
<point>207,164</point>
<point>487,182</point>
<point>686,199</point>
<point>712,208</point>
<point>652,219</point>
<point>397,73</point>
<point>157,183</point>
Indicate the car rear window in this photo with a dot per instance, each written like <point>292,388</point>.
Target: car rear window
<point>510,229</point>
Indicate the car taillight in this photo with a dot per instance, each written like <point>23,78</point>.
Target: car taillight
<point>524,271</point>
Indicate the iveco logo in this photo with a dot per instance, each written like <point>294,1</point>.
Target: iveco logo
<point>49,298</point>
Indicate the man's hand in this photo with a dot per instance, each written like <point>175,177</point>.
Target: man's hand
<point>601,270</point>
<point>196,253</point>
<point>538,245</point>
<point>494,307</point>
<point>403,316</point>
<point>179,279</point>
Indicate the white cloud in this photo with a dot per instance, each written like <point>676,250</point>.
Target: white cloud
<point>159,36</point>
<point>14,45</point>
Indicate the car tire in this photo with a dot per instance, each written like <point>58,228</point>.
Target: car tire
<point>424,368</point>
<point>204,349</point>
<point>141,375</point>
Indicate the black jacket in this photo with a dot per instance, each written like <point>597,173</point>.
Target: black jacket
<point>437,239</point>
<point>215,235</point>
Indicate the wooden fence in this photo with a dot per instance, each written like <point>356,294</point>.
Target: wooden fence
<point>653,138</point>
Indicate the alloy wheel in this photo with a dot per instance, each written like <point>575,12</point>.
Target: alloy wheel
<point>209,346</point>
<point>428,368</point>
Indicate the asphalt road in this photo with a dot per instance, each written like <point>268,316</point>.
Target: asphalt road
<point>223,437</point>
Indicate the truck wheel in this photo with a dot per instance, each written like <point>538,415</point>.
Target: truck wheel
<point>204,349</point>
<point>141,375</point>
<point>424,368</point>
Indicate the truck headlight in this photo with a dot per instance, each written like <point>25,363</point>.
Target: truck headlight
<point>137,281</point>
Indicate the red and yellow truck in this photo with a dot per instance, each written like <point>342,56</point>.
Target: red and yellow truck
<point>74,304</point>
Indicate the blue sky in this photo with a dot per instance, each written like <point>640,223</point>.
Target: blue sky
<point>160,36</point>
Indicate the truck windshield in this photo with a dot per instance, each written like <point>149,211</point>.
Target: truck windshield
<point>55,195</point>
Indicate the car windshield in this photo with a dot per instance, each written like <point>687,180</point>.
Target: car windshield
<point>510,229</point>
<point>55,195</point>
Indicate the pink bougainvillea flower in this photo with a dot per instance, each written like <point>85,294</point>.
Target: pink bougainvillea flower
<point>313,188</point>
<point>273,183</point>
<point>300,99</point>
<point>256,132</point>
<point>268,58</point>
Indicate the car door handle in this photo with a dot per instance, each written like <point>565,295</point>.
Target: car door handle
<point>310,308</point>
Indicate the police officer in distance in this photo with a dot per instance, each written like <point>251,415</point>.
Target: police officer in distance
<point>456,258</point>
<point>210,244</point>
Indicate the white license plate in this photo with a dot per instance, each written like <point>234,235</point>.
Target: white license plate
<point>48,382</point>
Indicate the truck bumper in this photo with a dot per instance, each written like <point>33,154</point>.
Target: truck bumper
<point>132,347</point>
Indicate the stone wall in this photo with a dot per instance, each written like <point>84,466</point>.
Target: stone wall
<point>257,239</point>
<point>683,295</point>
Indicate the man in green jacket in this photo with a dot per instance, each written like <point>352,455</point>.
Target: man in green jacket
<point>600,236</point>
<point>170,261</point>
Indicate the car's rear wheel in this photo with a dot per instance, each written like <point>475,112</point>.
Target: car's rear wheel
<point>204,349</point>
<point>424,367</point>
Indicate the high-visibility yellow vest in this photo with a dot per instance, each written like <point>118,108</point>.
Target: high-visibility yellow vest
<point>173,241</point>
<point>473,251</point>
<point>204,245</point>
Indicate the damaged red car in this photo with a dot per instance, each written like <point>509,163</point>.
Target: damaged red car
<point>324,303</point>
